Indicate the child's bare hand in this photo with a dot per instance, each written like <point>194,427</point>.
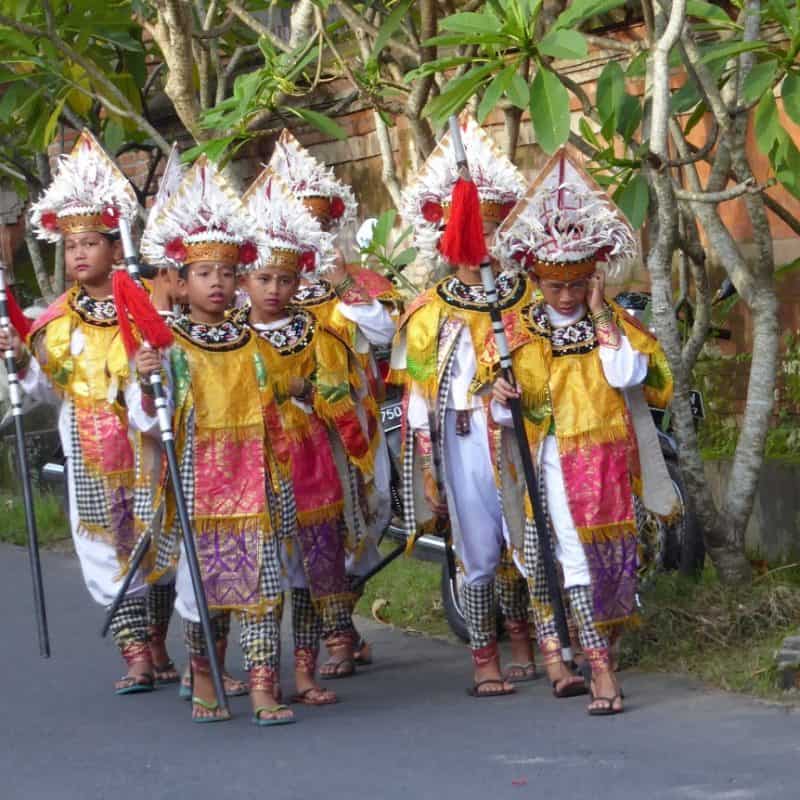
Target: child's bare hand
<point>298,387</point>
<point>503,391</point>
<point>147,361</point>
<point>9,340</point>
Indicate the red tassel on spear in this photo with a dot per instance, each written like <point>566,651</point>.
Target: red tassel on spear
<point>135,308</point>
<point>21,323</point>
<point>462,242</point>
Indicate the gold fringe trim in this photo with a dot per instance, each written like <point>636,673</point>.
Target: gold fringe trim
<point>234,525</point>
<point>620,624</point>
<point>608,435</point>
<point>236,434</point>
<point>317,516</point>
<point>333,600</point>
<point>607,533</point>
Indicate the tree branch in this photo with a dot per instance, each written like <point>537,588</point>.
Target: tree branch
<point>747,186</point>
<point>359,23</point>
<point>779,211</point>
<point>256,25</point>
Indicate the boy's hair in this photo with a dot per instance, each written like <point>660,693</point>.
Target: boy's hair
<point>183,272</point>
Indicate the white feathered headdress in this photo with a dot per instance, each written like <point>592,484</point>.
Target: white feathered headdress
<point>295,237</point>
<point>204,220</point>
<point>425,202</point>
<point>89,193</point>
<point>325,196</point>
<point>564,225</point>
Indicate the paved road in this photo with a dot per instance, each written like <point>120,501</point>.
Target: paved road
<point>405,729</point>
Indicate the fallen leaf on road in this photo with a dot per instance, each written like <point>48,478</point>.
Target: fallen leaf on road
<point>378,606</point>
<point>519,782</point>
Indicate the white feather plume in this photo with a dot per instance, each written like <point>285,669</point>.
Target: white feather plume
<point>307,177</point>
<point>495,176</point>
<point>87,182</point>
<point>286,222</point>
<point>202,209</point>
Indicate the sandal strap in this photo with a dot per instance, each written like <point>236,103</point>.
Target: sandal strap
<point>208,705</point>
<point>270,709</point>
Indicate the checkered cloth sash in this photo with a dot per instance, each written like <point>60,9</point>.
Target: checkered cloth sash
<point>480,613</point>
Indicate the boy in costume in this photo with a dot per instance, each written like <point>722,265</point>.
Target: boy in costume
<point>221,392</point>
<point>578,363</point>
<point>357,304</point>
<point>77,359</point>
<point>169,298</point>
<point>316,379</point>
<point>437,349</point>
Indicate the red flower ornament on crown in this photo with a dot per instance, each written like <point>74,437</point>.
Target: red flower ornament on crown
<point>175,250</point>
<point>432,211</point>
<point>50,220</point>
<point>307,261</point>
<point>248,253</point>
<point>110,217</point>
<point>337,207</point>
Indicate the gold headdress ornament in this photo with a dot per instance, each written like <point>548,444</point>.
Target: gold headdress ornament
<point>295,237</point>
<point>426,201</point>
<point>564,224</point>
<point>204,220</point>
<point>89,193</point>
<point>327,199</point>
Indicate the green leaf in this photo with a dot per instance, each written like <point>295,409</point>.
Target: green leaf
<point>471,22</point>
<point>588,133</point>
<point>707,11</point>
<point>549,110</point>
<point>518,93</point>
<point>113,135</point>
<point>499,85</point>
<point>722,52</point>
<point>790,93</point>
<point>49,132</point>
<point>321,122</point>
<point>696,117</point>
<point>213,149</point>
<point>787,170</point>
<point>633,200</point>
<point>458,92</point>
<point>461,39</point>
<point>638,66</point>
<point>759,80</point>
<point>560,43</point>
<point>10,100</point>
<point>686,98</point>
<point>13,40</point>
<point>581,10</point>
<point>440,65</point>
<point>767,125</point>
<point>405,258</point>
<point>610,92</point>
<point>629,117</point>
<point>390,26</point>
<point>380,236</point>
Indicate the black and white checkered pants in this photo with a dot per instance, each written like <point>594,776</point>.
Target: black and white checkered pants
<point>193,634</point>
<point>582,606</point>
<point>306,623</point>
<point>260,638</point>
<point>480,613</point>
<point>512,590</point>
<point>129,624</point>
<point>160,604</point>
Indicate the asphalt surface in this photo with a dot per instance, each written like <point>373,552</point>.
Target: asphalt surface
<point>404,728</point>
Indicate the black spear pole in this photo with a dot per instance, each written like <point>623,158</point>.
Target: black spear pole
<point>528,469</point>
<point>15,396</point>
<point>532,485</point>
<point>168,440</point>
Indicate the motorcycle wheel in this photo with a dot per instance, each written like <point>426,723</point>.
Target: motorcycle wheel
<point>453,610</point>
<point>684,548</point>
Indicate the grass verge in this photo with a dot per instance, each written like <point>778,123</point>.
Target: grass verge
<point>406,594</point>
<point>726,636</point>
<point>51,522</point>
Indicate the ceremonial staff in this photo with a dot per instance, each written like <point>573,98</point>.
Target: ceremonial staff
<point>133,298</point>
<point>15,396</point>
<point>466,246</point>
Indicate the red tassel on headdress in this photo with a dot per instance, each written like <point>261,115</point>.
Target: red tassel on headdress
<point>134,308</point>
<point>463,243</point>
<point>21,323</point>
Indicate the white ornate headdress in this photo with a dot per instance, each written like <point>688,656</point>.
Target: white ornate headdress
<point>330,200</point>
<point>564,225</point>
<point>295,237</point>
<point>426,201</point>
<point>89,193</point>
<point>204,220</point>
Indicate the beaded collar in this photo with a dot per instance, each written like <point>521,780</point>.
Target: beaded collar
<point>221,336</point>
<point>293,336</point>
<point>313,293</point>
<point>102,313</point>
<point>472,297</point>
<point>573,339</point>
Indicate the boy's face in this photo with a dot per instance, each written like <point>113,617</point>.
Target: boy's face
<point>271,289</point>
<point>89,257</point>
<point>209,286</point>
<point>174,287</point>
<point>566,297</point>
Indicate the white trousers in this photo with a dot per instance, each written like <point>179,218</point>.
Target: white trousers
<point>472,498</point>
<point>569,549</point>
<point>99,563</point>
